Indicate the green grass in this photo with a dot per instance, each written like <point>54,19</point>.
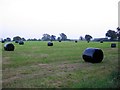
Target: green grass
<point>35,65</point>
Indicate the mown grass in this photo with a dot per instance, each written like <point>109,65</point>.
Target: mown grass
<point>35,65</point>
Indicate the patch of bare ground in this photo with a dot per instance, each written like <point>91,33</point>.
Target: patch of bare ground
<point>111,49</point>
<point>30,54</point>
<point>5,60</point>
<point>42,70</point>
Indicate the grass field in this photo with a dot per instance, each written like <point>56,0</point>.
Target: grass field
<point>35,65</point>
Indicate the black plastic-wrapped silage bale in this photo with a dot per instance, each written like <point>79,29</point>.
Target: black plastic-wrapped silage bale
<point>16,41</point>
<point>9,47</point>
<point>2,41</point>
<point>59,40</point>
<point>50,44</point>
<point>113,45</point>
<point>21,43</point>
<point>101,41</point>
<point>93,55</point>
<point>76,41</point>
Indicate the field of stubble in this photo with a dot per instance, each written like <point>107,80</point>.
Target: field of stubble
<point>35,65</point>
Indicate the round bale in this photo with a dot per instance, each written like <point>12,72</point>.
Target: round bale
<point>16,41</point>
<point>113,45</point>
<point>9,47</point>
<point>59,40</point>
<point>2,41</point>
<point>50,44</point>
<point>93,55</point>
<point>76,41</point>
<point>21,43</point>
<point>101,41</point>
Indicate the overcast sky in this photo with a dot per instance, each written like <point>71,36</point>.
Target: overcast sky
<point>75,18</point>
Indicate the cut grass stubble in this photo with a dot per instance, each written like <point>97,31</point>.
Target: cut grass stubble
<point>35,65</point>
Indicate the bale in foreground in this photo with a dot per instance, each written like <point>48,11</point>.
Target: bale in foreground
<point>93,55</point>
<point>9,47</point>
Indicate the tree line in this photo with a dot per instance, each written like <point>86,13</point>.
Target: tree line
<point>112,34</point>
<point>45,37</point>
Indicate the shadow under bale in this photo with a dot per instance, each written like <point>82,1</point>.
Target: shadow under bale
<point>21,43</point>
<point>113,45</point>
<point>9,47</point>
<point>93,55</point>
<point>50,44</point>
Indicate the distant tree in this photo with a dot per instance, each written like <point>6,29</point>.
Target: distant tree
<point>46,37</point>
<point>28,39</point>
<point>32,39</point>
<point>23,39</point>
<point>88,38</point>
<point>81,38</point>
<point>112,34</point>
<point>8,39</point>
<point>39,39</point>
<point>5,40</point>
<point>17,38</point>
<point>63,36</point>
<point>118,33</point>
<point>53,37</point>
<point>59,39</point>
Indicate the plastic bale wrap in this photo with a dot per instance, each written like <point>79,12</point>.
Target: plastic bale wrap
<point>21,43</point>
<point>9,47</point>
<point>76,41</point>
<point>16,41</point>
<point>93,55</point>
<point>113,45</point>
<point>50,44</point>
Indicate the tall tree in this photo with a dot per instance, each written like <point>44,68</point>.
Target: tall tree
<point>53,37</point>
<point>88,38</point>
<point>63,36</point>
<point>81,38</point>
<point>46,37</point>
<point>23,39</point>
<point>112,34</point>
<point>17,38</point>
